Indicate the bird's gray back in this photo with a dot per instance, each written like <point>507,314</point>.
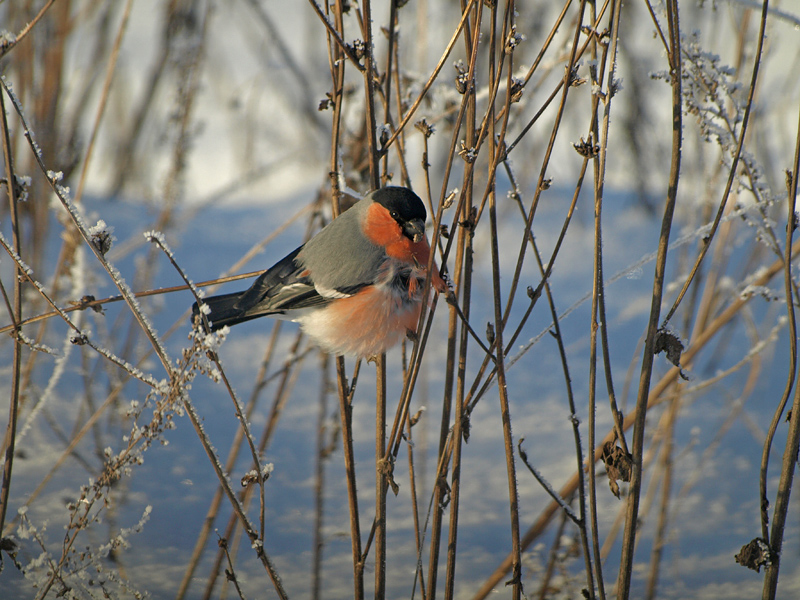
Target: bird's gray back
<point>340,256</point>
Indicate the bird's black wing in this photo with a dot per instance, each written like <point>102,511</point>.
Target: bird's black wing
<point>284,286</point>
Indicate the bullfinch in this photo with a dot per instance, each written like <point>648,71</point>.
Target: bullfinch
<point>356,287</point>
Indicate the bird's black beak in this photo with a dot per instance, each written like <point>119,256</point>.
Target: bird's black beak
<point>414,229</point>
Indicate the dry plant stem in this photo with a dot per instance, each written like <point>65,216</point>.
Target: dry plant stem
<point>791,377</point>
<point>16,315</point>
<point>288,377</point>
<point>380,363</point>
<point>600,164</point>
<point>319,482</point>
<point>656,396</point>
<point>256,539</point>
<point>346,415</point>
<point>631,518</point>
<point>499,324</point>
<point>659,541</point>
<point>467,107</point>
<point>464,14</point>
<point>505,412</point>
<point>230,571</point>
<point>793,436</point>
<point>476,394</point>
<point>560,85</point>
<point>552,558</point>
<point>381,483</point>
<point>335,35</point>
<point>598,285</point>
<point>733,173</point>
<point>237,507</point>
<point>463,270</point>
<point>101,108</point>
<point>578,445</point>
<point>546,160</point>
<point>418,532</point>
<point>83,305</point>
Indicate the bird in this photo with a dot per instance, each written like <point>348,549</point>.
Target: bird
<point>356,287</point>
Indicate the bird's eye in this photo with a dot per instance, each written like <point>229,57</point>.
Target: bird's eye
<point>395,215</point>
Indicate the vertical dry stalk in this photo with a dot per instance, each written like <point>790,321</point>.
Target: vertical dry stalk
<point>637,444</point>
<point>793,436</point>
<point>16,315</point>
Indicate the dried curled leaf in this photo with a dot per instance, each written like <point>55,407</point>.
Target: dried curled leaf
<point>619,465</point>
<point>87,302</point>
<point>754,555</point>
<point>671,345</point>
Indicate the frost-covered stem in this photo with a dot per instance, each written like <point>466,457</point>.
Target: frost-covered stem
<point>119,298</point>
<point>16,316</point>
<point>733,172</point>
<point>549,488</point>
<point>793,437</point>
<point>81,337</point>
<point>222,476</point>
<point>212,355</point>
<point>230,463</point>
<point>231,571</point>
<point>26,30</point>
<point>632,512</point>
<point>286,383</point>
<point>72,210</point>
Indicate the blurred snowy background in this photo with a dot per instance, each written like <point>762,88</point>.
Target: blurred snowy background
<point>212,123</point>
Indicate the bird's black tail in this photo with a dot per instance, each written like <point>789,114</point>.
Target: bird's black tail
<point>225,310</point>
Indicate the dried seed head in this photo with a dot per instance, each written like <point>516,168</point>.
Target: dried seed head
<point>586,148</point>
<point>426,128</point>
<point>462,77</point>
